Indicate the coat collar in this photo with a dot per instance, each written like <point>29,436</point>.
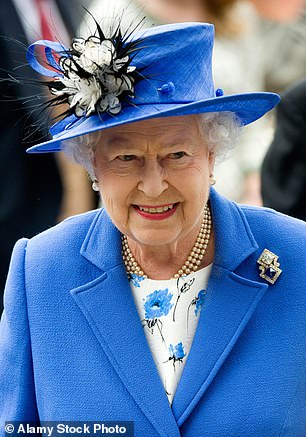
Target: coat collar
<point>230,303</point>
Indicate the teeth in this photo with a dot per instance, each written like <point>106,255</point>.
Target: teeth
<point>158,210</point>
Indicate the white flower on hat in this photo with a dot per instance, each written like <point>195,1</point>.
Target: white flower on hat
<point>94,54</point>
<point>83,94</point>
<point>117,85</point>
<point>111,103</point>
<point>95,77</point>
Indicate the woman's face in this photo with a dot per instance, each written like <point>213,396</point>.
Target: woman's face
<point>154,178</point>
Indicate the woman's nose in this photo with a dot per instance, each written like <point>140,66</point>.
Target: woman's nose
<point>152,180</point>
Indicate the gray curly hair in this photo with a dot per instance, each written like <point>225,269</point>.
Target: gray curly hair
<point>220,129</point>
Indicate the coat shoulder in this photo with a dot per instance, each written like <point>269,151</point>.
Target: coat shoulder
<point>271,228</point>
<point>270,218</point>
<point>66,237</point>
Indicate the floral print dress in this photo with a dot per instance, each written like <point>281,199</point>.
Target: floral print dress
<point>169,311</point>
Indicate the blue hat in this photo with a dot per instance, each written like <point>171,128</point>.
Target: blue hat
<point>159,72</point>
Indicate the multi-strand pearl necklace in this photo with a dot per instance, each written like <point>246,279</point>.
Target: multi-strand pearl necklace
<point>191,264</point>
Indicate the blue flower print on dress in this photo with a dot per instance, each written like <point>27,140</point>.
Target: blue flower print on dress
<point>177,352</point>
<point>158,304</point>
<point>199,301</point>
<point>135,279</point>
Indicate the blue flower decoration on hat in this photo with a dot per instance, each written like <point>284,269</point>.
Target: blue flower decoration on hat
<point>158,304</point>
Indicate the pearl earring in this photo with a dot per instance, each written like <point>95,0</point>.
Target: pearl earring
<point>212,180</point>
<point>95,185</point>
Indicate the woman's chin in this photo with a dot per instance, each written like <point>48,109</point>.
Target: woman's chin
<point>155,237</point>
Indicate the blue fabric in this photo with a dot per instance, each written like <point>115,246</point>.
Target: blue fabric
<point>39,63</point>
<point>72,345</point>
<point>176,58</point>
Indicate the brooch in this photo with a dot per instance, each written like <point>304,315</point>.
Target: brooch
<point>268,266</point>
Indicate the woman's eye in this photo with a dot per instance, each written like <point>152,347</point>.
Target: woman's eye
<point>126,157</point>
<point>177,155</point>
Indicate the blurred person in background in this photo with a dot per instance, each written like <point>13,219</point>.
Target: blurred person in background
<point>281,11</point>
<point>284,167</point>
<point>35,191</point>
<point>282,26</point>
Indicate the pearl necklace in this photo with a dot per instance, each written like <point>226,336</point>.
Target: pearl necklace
<point>191,264</point>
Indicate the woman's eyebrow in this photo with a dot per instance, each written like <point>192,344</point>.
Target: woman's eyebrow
<point>178,141</point>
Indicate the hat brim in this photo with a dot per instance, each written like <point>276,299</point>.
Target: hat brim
<point>248,107</point>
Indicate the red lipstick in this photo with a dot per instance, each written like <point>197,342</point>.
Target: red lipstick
<point>156,215</point>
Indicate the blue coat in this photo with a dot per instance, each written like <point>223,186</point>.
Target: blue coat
<point>72,345</point>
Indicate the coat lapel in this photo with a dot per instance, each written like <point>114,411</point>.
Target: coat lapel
<point>230,302</point>
<point>109,308</point>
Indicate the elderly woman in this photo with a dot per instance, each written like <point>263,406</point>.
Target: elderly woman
<point>172,307</point>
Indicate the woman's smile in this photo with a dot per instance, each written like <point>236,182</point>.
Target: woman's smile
<point>160,212</point>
